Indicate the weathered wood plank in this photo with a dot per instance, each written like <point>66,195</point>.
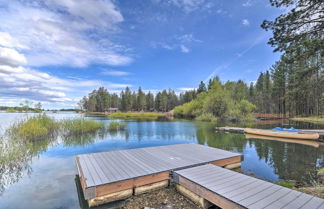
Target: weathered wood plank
<point>315,202</point>
<point>110,167</point>
<point>231,189</point>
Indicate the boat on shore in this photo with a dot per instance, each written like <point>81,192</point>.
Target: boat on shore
<point>282,134</point>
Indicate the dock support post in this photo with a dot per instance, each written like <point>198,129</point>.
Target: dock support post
<point>203,203</point>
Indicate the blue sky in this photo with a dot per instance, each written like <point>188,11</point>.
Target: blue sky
<point>56,51</point>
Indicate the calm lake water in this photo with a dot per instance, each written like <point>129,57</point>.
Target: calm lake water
<point>43,176</point>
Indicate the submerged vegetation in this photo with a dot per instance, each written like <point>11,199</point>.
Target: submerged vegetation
<point>138,115</point>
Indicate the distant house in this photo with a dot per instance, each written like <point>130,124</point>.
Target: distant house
<point>112,109</point>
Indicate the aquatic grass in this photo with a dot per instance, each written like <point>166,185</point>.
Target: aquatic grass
<point>33,128</point>
<point>116,126</point>
<point>79,126</point>
<point>138,115</point>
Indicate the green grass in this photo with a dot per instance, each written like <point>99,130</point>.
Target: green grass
<point>286,184</point>
<point>79,126</point>
<point>11,110</point>
<point>137,115</point>
<point>116,126</point>
<point>33,128</point>
<point>312,119</point>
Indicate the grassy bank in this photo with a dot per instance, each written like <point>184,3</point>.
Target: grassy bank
<point>319,120</point>
<point>138,115</point>
<point>43,126</point>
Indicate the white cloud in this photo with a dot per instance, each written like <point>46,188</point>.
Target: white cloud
<point>26,83</point>
<point>248,3</point>
<point>6,40</point>
<point>184,49</point>
<point>246,22</point>
<point>64,32</point>
<point>186,89</point>
<point>114,73</point>
<point>11,57</point>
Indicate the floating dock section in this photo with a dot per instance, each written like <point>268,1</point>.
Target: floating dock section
<point>109,176</point>
<point>197,171</point>
<point>230,189</point>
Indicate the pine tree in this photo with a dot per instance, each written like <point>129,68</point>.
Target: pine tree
<point>201,87</point>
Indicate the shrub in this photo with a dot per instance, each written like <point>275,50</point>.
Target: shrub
<point>206,117</point>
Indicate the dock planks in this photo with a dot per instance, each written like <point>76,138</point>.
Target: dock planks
<point>229,189</point>
<point>107,172</point>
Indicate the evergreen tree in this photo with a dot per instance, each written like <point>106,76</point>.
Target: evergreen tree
<point>141,102</point>
<point>149,102</point>
<point>201,88</point>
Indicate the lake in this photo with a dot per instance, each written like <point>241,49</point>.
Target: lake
<point>42,176</point>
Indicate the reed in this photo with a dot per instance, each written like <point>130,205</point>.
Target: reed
<point>79,126</point>
<point>33,128</point>
<point>116,126</point>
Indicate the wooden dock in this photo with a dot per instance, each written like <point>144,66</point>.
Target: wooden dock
<point>229,189</point>
<point>116,175</point>
<point>197,171</point>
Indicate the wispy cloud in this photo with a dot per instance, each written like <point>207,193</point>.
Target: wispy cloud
<point>184,49</point>
<point>245,22</point>
<point>226,65</point>
<point>178,42</point>
<point>248,3</point>
<point>188,5</point>
<point>114,73</point>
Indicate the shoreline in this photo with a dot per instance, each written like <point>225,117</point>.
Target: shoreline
<point>315,120</point>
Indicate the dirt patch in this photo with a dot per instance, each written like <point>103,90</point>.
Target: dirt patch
<point>167,198</point>
<point>317,191</point>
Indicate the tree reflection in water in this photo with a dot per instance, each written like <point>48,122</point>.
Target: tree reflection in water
<point>289,161</point>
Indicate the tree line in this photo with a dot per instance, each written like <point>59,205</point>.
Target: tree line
<point>101,100</point>
<point>295,84</point>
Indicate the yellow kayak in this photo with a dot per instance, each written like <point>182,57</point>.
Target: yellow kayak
<point>295,141</point>
<point>281,134</point>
